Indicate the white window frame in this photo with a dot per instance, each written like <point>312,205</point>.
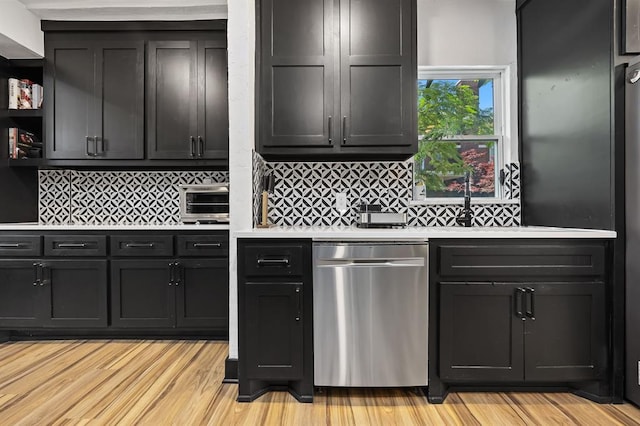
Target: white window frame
<point>502,123</point>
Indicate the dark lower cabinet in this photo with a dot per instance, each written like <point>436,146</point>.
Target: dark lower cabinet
<point>274,333</point>
<point>161,293</point>
<point>275,330</point>
<point>53,293</point>
<point>74,293</point>
<point>142,293</point>
<point>513,332</point>
<point>520,314</point>
<point>19,305</point>
<point>202,293</point>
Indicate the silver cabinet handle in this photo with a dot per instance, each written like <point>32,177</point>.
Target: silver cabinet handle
<point>87,139</point>
<point>192,142</point>
<point>202,245</point>
<point>329,126</point>
<point>273,262</point>
<point>200,147</point>
<point>139,245</point>
<point>10,245</point>
<point>177,273</point>
<point>344,130</point>
<point>36,272</point>
<point>72,245</point>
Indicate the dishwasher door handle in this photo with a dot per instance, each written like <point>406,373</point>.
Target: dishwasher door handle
<point>370,263</point>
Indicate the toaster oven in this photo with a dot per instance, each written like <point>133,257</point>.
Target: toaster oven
<point>204,203</point>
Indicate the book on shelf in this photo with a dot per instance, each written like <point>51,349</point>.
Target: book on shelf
<point>23,144</point>
<point>24,94</point>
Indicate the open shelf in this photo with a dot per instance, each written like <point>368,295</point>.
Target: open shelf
<point>26,162</point>
<point>21,113</point>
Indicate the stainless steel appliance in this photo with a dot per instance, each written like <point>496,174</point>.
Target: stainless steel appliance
<point>204,203</point>
<point>370,310</point>
<point>372,216</point>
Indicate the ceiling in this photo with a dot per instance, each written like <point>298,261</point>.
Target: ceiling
<point>116,10</point>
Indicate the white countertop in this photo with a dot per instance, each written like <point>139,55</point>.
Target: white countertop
<point>323,233</point>
<point>33,226</point>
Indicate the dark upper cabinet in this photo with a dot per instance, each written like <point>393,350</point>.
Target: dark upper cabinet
<point>337,79</point>
<point>95,98</point>
<point>187,110</point>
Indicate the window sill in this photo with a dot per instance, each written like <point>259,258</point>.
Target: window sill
<point>460,201</point>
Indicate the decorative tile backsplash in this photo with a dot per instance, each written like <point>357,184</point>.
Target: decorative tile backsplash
<point>304,194</point>
<point>90,197</point>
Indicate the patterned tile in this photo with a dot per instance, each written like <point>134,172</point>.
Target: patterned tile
<point>259,170</point>
<point>304,194</point>
<point>116,197</point>
<point>512,181</point>
<point>54,195</point>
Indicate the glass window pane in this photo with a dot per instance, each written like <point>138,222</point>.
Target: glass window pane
<point>440,167</point>
<point>449,107</point>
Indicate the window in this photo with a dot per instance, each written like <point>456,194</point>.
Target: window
<point>461,124</point>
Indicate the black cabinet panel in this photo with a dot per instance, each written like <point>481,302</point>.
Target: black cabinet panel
<point>20,245</point>
<point>120,78</point>
<point>202,293</point>
<point>480,337</point>
<point>75,293</point>
<point>69,86</point>
<point>498,260</point>
<point>299,104</point>
<point>142,245</point>
<point>171,110</point>
<point>567,339</point>
<point>142,293</point>
<point>214,245</point>
<point>297,28</point>
<point>75,245</point>
<point>213,99</point>
<point>273,260</point>
<point>375,27</point>
<point>19,303</point>
<point>274,338</point>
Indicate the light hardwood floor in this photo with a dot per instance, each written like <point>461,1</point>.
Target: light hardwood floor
<point>180,382</point>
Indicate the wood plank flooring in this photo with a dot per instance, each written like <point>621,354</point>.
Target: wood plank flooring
<point>180,383</point>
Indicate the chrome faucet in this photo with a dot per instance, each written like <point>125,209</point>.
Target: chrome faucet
<point>466,216</point>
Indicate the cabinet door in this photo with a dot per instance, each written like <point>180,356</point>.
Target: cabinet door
<point>70,97</point>
<point>297,85</point>
<point>142,293</point>
<point>567,339</point>
<point>202,293</point>
<point>19,293</point>
<point>273,332</point>
<point>74,293</point>
<point>480,333</point>
<point>120,93</point>
<point>171,100</point>
<point>378,74</point>
<point>213,100</point>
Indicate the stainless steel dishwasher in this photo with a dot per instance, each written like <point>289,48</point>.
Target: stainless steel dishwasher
<point>370,314</point>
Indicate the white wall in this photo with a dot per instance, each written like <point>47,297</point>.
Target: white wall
<point>241,54</point>
<point>471,32</point>
<point>20,34</point>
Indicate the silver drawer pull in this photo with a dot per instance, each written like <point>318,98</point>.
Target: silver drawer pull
<point>139,245</point>
<point>6,245</point>
<point>72,245</point>
<point>200,245</point>
<point>273,262</point>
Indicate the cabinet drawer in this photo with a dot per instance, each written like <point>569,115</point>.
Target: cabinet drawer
<point>20,245</point>
<point>522,260</point>
<point>216,245</point>
<point>75,245</point>
<point>142,245</point>
<point>273,260</point>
